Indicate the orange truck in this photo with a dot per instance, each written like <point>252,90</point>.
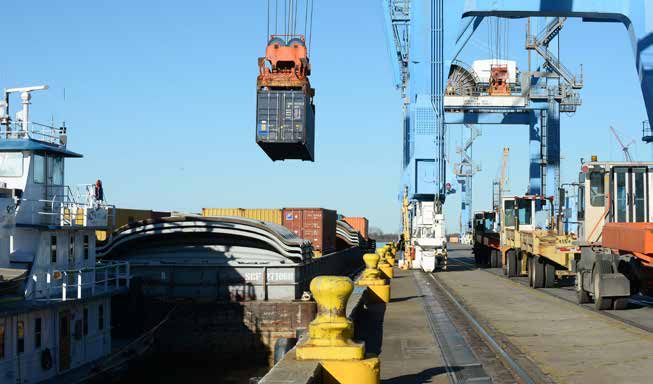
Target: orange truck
<point>615,233</point>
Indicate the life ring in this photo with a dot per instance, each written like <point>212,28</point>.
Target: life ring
<point>46,359</point>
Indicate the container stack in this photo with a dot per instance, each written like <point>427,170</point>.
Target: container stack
<point>262,214</point>
<point>361,224</point>
<point>317,225</point>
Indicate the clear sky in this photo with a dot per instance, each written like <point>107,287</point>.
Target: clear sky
<point>160,98</point>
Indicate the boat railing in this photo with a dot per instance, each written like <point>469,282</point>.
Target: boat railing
<point>75,284</point>
<point>68,209</point>
<point>18,130</point>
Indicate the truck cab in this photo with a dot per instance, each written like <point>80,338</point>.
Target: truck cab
<point>612,192</point>
<point>615,232</point>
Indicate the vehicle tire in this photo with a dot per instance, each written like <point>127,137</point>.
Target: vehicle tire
<point>511,267</point>
<point>493,258</point>
<point>620,303</point>
<point>499,259</point>
<point>549,275</point>
<point>601,267</point>
<point>538,272</point>
<point>529,267</point>
<point>582,296</point>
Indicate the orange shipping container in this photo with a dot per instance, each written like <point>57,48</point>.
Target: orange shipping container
<point>316,225</point>
<point>358,223</point>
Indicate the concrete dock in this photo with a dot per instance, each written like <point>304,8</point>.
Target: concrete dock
<point>409,352</point>
<point>469,324</point>
<point>550,339</point>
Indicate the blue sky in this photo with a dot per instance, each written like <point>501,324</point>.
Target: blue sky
<point>160,98</point>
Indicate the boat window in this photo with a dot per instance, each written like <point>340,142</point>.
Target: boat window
<point>37,332</point>
<point>55,170</point>
<point>85,325</point>
<point>72,248</point>
<point>85,247</point>
<point>597,189</point>
<point>39,169</point>
<point>11,164</point>
<point>100,317</point>
<point>20,339</point>
<point>2,341</point>
<point>53,249</point>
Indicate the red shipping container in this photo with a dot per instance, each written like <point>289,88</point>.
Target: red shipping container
<point>358,223</point>
<point>316,225</point>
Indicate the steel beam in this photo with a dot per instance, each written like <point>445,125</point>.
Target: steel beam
<point>636,15</point>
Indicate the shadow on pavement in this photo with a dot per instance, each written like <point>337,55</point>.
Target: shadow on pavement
<point>419,378</point>
<point>369,327</point>
<point>400,299</point>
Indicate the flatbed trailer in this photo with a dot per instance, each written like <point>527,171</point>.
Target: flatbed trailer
<point>541,254</point>
<point>548,256</point>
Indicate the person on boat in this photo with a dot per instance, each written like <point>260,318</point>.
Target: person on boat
<point>99,192</point>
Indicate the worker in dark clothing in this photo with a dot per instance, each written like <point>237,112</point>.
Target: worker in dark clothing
<point>99,192</point>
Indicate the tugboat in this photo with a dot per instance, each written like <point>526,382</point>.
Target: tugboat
<point>55,297</point>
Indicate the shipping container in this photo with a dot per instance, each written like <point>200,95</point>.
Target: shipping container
<point>285,124</point>
<point>316,225</point>
<point>361,224</point>
<point>263,214</point>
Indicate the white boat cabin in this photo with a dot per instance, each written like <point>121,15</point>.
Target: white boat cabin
<point>55,297</point>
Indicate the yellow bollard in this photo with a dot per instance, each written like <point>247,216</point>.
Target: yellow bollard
<point>384,266</point>
<point>329,336</point>
<point>378,289</point>
<point>390,256</point>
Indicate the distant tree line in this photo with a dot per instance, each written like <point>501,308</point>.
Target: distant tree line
<point>378,235</point>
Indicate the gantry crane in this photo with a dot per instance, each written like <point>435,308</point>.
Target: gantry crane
<point>427,37</point>
<point>464,172</point>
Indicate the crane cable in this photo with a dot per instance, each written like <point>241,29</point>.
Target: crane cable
<point>291,14</point>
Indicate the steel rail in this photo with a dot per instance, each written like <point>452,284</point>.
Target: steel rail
<point>505,356</point>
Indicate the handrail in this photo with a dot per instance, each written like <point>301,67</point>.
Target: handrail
<point>45,133</point>
<point>113,275</point>
<point>67,208</point>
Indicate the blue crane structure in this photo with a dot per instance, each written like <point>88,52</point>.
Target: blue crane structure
<point>427,36</point>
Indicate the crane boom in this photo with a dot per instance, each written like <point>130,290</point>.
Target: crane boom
<point>623,146</point>
<point>504,167</point>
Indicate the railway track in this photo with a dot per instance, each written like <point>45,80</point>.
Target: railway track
<point>642,318</point>
<point>473,353</point>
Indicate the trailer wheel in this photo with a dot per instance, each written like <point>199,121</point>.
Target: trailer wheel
<point>538,272</point>
<point>620,303</point>
<point>601,267</point>
<point>511,267</point>
<point>582,296</point>
<point>549,275</point>
<point>494,258</point>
